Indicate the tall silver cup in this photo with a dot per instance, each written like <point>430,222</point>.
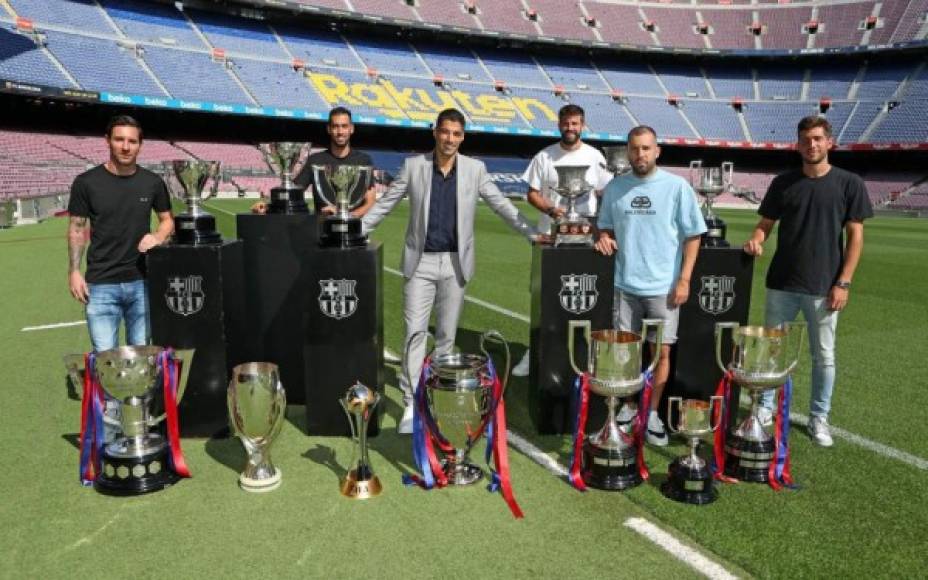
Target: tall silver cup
<point>711,182</point>
<point>186,179</point>
<point>257,404</point>
<point>572,228</point>
<point>689,479</point>
<point>286,159</point>
<point>347,184</point>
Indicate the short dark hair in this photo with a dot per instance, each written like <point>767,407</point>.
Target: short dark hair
<point>813,121</point>
<point>339,111</point>
<point>570,110</point>
<point>451,115</point>
<point>122,121</point>
<point>641,130</point>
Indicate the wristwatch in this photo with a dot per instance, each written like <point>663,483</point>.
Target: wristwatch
<point>843,284</point>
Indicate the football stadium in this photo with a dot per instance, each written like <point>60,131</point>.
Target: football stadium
<point>231,93</point>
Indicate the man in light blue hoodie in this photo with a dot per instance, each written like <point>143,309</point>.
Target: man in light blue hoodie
<point>650,220</point>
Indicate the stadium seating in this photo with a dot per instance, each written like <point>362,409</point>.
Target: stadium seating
<point>81,55</point>
<point>21,59</point>
<point>152,22</point>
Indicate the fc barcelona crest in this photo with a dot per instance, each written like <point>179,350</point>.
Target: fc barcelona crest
<point>337,298</point>
<point>717,294</point>
<point>578,292</point>
<point>185,294</point>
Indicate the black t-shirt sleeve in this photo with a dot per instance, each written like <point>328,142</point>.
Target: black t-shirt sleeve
<point>78,204</point>
<point>162,201</point>
<point>305,177</point>
<point>858,204</point>
<point>771,205</point>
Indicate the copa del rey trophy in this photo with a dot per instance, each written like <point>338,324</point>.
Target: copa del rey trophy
<point>348,184</point>
<point>257,403</point>
<point>689,479</point>
<point>286,159</point>
<point>711,182</point>
<point>617,159</point>
<point>572,229</point>
<point>186,179</point>
<point>359,403</point>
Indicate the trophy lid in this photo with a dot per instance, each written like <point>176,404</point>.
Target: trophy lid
<point>571,180</point>
<point>187,177</point>
<point>617,158</point>
<point>285,158</point>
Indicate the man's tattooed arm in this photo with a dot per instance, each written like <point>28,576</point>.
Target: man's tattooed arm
<point>77,241</point>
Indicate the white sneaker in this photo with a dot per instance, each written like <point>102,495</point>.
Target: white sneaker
<point>521,369</point>
<point>405,426</point>
<point>656,435</point>
<point>818,430</point>
<point>765,416</point>
<point>391,357</point>
<point>626,416</point>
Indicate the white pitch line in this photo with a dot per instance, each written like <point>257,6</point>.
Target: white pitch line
<point>679,550</point>
<point>536,454</point>
<point>50,326</point>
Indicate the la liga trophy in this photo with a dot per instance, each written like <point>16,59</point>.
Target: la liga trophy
<point>348,184</point>
<point>257,403</point>
<point>359,403</point>
<point>711,182</point>
<point>689,479</point>
<point>286,159</point>
<point>186,179</point>
<point>617,159</point>
<point>572,229</point>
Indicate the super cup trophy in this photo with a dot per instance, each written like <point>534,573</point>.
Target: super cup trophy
<point>617,159</point>
<point>572,228</point>
<point>137,461</point>
<point>286,159</point>
<point>614,365</point>
<point>762,360</point>
<point>348,184</point>
<point>689,479</point>
<point>359,403</point>
<point>186,179</point>
<point>710,182</point>
<point>257,403</point>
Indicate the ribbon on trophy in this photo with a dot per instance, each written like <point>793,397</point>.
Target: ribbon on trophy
<point>641,423</point>
<point>425,435</point>
<point>718,461</point>
<point>170,372</point>
<point>91,438</point>
<point>497,445</point>
<point>582,403</point>
<point>779,474</point>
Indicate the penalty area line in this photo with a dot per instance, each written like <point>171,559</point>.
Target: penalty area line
<point>678,549</point>
<point>51,326</point>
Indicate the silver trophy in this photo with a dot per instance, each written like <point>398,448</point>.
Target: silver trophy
<point>136,462</point>
<point>572,228</point>
<point>614,367</point>
<point>347,184</point>
<point>257,404</point>
<point>459,395</point>
<point>711,182</point>
<point>359,403</point>
<point>286,160</point>
<point>186,179</point>
<point>617,159</point>
<point>762,360</point>
<point>689,479</point>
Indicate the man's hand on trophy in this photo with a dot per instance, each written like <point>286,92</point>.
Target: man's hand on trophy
<point>606,244</point>
<point>753,248</point>
<point>555,211</point>
<point>328,210</point>
<point>542,239</point>
<point>259,208</point>
<point>148,242</point>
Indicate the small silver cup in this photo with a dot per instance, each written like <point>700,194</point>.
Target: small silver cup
<point>257,404</point>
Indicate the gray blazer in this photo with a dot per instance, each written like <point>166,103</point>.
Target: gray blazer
<point>415,180</point>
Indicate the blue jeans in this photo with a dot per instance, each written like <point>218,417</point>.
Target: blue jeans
<point>821,324</point>
<point>109,305</point>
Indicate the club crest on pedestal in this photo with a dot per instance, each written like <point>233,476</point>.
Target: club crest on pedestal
<point>578,292</point>
<point>337,298</point>
<point>185,295</point>
<point>717,294</point>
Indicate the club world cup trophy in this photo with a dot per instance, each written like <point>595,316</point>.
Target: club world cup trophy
<point>762,360</point>
<point>286,159</point>
<point>347,184</point>
<point>617,159</point>
<point>689,479</point>
<point>186,179</point>
<point>610,456</point>
<point>257,403</point>
<point>711,182</point>
<point>572,229</point>
<point>359,403</point>
<point>141,459</point>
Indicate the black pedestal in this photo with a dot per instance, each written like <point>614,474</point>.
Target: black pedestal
<point>135,475</point>
<point>275,254</point>
<point>341,232</point>
<point>689,484</point>
<point>343,335</point>
<point>716,230</point>
<point>609,469</point>
<point>748,460</point>
<point>568,283</point>
<point>196,229</point>
<point>288,201</point>
<point>196,301</point>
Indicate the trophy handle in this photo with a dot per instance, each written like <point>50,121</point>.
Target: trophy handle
<point>318,178</point>
<point>364,175</point>
<point>412,383</point>
<point>658,326</point>
<point>354,433</point>
<point>728,174</point>
<point>717,403</point>
<point>74,364</point>
<point>572,326</point>
<point>185,356</point>
<point>719,330</point>
<point>797,328</point>
<point>498,337</point>
<point>670,402</point>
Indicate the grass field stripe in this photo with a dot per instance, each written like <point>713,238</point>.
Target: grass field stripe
<point>214,208</point>
<point>50,326</point>
<point>536,454</point>
<point>679,550</point>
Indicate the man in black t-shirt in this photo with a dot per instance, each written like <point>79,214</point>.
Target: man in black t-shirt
<point>812,268</point>
<point>112,205</point>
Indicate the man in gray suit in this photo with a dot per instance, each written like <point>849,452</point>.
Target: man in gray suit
<point>438,255</point>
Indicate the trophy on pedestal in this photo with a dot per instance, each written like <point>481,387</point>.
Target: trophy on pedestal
<point>614,365</point>
<point>762,360</point>
<point>689,479</point>
<point>359,403</point>
<point>137,461</point>
<point>710,182</point>
<point>257,403</point>
<point>348,184</point>
<point>185,179</point>
<point>286,159</point>
<point>617,159</point>
<point>572,228</point>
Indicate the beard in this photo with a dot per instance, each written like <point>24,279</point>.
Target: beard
<point>570,137</point>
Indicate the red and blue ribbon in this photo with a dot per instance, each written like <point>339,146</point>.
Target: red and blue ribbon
<point>641,423</point>
<point>779,474</point>
<point>425,436</point>
<point>170,373</point>
<point>497,441</point>
<point>91,438</point>
<point>721,433</point>
<point>582,404</point>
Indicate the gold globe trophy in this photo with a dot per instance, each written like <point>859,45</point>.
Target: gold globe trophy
<point>359,403</point>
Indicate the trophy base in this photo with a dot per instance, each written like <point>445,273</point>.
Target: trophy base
<point>342,232</point>
<point>715,234</point>
<point>196,230</point>
<point>573,233</point>
<point>135,475</point>
<point>287,201</point>
<point>366,488</point>
<point>687,484</point>
<point>748,460</point>
<point>260,485</point>
<point>610,469</point>
<point>461,473</point>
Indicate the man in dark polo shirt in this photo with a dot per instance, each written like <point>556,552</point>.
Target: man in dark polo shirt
<point>821,210</point>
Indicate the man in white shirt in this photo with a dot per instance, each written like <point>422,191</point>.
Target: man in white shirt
<point>541,176</point>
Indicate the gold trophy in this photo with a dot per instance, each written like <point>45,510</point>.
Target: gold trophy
<point>359,403</point>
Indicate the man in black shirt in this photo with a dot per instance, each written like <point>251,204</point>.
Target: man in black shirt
<point>813,266</point>
<point>112,203</point>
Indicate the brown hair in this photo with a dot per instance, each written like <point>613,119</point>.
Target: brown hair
<point>122,121</point>
<point>570,110</point>
<point>813,121</point>
<point>641,130</point>
<point>452,115</point>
